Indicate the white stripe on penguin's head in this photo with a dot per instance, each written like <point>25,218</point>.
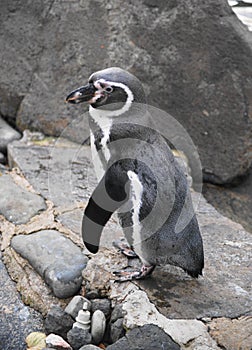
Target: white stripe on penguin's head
<point>100,93</point>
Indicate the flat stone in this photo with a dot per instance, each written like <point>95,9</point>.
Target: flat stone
<point>147,337</point>
<point>58,321</point>
<point>232,334</point>
<point>17,204</point>
<point>7,135</point>
<point>56,258</point>
<point>17,320</point>
<point>61,170</point>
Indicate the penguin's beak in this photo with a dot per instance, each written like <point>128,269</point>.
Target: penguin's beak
<point>82,94</point>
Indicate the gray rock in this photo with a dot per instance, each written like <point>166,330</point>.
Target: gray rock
<point>7,135</point>
<point>117,330</point>
<point>58,322</point>
<point>78,337</point>
<point>56,258</point>
<point>98,326</point>
<point>148,336</point>
<point>17,204</point>
<point>17,320</point>
<point>76,304</point>
<point>117,313</point>
<point>101,304</point>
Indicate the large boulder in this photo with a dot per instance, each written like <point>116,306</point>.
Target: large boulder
<point>192,57</point>
<point>21,45</point>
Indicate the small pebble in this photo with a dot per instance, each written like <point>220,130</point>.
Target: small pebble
<point>78,337</point>
<point>116,330</point>
<point>56,342</point>
<point>58,321</point>
<point>90,347</point>
<point>101,304</point>
<point>98,326</point>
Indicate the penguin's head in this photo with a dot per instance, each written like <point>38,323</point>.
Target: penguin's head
<point>112,89</point>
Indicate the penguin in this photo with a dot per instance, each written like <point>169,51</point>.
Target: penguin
<point>138,177</point>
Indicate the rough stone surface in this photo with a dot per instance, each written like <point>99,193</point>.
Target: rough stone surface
<point>76,304</point>
<point>58,169</point>
<point>17,320</point>
<point>208,91</point>
<point>78,337</point>
<point>16,203</point>
<point>116,330</point>
<point>54,257</point>
<point>140,311</point>
<point>147,337</point>
<point>232,334</point>
<point>7,135</point>
<point>98,326</point>
<point>59,322</point>
<point>101,304</point>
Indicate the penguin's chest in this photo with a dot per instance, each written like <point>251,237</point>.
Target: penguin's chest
<point>99,140</point>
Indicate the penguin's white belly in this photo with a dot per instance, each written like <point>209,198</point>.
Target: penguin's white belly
<point>98,166</point>
<point>136,200</point>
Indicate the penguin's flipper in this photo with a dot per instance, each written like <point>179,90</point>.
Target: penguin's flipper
<point>128,275</point>
<point>124,248</point>
<point>109,195</point>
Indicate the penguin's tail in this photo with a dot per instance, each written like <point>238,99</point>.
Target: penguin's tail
<point>194,273</point>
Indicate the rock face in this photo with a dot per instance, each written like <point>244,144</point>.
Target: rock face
<point>56,258</point>
<point>201,76</point>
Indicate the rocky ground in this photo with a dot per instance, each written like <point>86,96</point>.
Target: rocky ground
<point>42,199</point>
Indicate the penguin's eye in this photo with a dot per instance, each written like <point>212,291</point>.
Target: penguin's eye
<point>109,89</point>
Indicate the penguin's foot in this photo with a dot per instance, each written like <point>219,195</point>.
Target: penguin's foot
<point>128,275</point>
<point>124,248</point>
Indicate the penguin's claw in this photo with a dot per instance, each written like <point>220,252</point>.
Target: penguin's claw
<point>128,275</point>
<point>124,248</point>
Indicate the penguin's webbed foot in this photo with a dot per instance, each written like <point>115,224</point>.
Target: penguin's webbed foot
<point>124,248</point>
<point>128,275</point>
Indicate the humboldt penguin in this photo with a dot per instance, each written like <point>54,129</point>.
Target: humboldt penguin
<point>138,177</point>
